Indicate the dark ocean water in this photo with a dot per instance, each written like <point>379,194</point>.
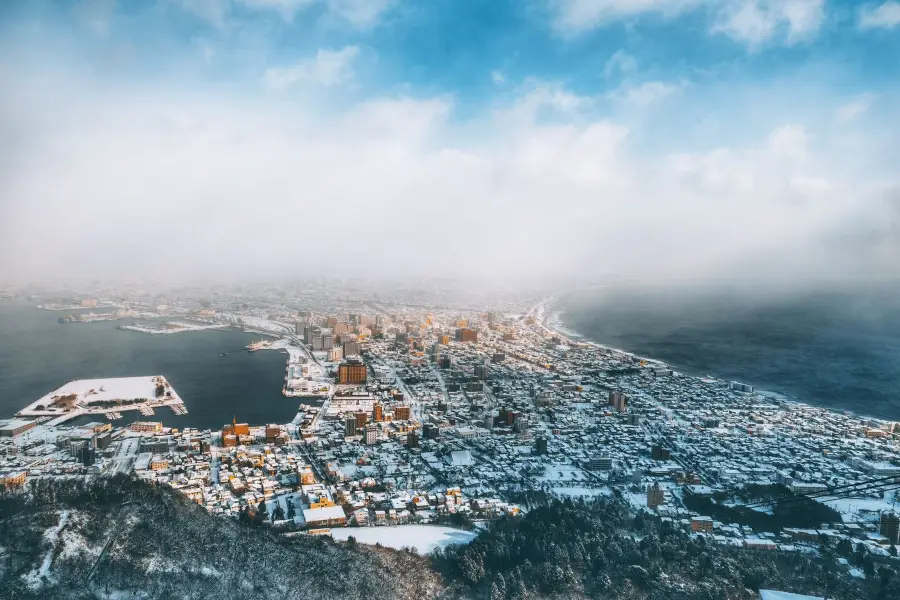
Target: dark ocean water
<point>38,355</point>
<point>839,350</point>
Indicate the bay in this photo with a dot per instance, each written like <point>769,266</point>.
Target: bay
<point>38,355</point>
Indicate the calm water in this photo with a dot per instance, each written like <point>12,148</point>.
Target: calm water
<point>839,350</point>
<point>37,355</point>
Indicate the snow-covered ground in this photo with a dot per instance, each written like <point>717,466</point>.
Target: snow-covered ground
<point>857,509</point>
<point>576,492</point>
<point>35,578</point>
<point>423,538</point>
<point>140,392</point>
<point>562,473</point>
<point>98,390</point>
<point>183,327</point>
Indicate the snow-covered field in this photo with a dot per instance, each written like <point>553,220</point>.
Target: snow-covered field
<point>857,509</point>
<point>98,390</point>
<point>183,327</point>
<point>423,538</point>
<point>578,492</point>
<point>562,473</point>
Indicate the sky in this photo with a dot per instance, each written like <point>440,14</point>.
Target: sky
<point>569,141</point>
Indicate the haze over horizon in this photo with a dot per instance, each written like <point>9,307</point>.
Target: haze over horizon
<point>545,140</point>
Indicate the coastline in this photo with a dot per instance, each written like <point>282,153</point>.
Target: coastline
<point>555,323</point>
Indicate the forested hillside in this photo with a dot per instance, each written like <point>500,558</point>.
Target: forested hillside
<point>122,538</point>
<point>126,539</point>
<point>600,550</point>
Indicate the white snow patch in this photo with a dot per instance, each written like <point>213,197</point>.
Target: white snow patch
<point>423,538</point>
<point>35,578</point>
<point>581,491</point>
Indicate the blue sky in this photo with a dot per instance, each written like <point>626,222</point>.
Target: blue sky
<point>462,47</point>
<point>681,115</point>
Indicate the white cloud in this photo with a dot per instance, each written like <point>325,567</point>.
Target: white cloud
<point>755,22</point>
<point>286,8</point>
<point>789,142</point>
<point>215,12</point>
<point>498,77</point>
<point>184,183</point>
<point>576,16</point>
<point>620,62</point>
<point>645,94</point>
<point>749,21</point>
<point>537,97</point>
<point>855,109</point>
<point>328,68</point>
<point>362,14</point>
<point>884,16</point>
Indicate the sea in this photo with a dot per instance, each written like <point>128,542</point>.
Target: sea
<point>838,349</point>
<point>38,355</point>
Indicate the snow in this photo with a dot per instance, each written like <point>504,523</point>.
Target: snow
<point>423,538</point>
<point>636,500</point>
<point>581,491</point>
<point>850,508</point>
<point>562,472</point>
<point>182,327</point>
<point>34,579</point>
<point>775,595</point>
<point>123,388</point>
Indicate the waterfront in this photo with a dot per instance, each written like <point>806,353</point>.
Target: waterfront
<point>38,355</point>
<point>830,349</point>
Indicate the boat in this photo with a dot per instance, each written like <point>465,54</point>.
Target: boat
<point>224,354</point>
<point>254,346</point>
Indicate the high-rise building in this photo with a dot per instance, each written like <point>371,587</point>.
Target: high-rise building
<point>327,341</point>
<point>371,434</point>
<point>431,431</point>
<point>659,453</point>
<point>401,413</point>
<point>618,400</point>
<point>655,496</point>
<point>481,371</point>
<point>600,463</point>
<point>298,328</point>
<point>890,526</point>
<point>350,426</point>
<point>351,348</point>
<point>362,418</point>
<point>541,445</point>
<point>412,439</point>
<point>331,322</point>
<point>445,362</point>
<point>84,452</point>
<point>352,372</point>
<point>377,412</point>
<point>464,334</point>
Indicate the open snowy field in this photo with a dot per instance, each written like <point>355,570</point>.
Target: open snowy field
<point>423,538</point>
<point>98,390</point>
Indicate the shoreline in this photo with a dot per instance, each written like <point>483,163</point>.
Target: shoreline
<point>556,324</point>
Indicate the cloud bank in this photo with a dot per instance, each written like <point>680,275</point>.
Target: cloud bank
<point>296,172</point>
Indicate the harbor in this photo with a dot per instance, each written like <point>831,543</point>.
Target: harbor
<point>98,396</point>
